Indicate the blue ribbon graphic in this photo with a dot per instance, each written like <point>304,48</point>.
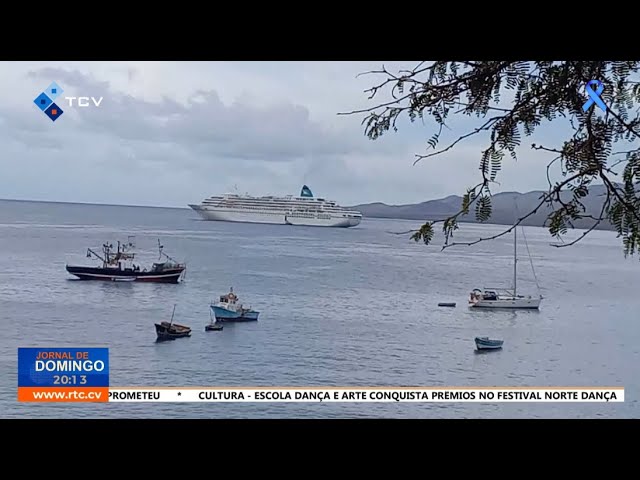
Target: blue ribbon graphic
<point>595,96</point>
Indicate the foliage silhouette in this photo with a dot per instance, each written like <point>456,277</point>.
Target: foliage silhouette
<point>539,92</point>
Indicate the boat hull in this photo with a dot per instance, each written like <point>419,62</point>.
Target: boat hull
<point>486,344</point>
<point>484,347</point>
<point>274,218</point>
<point>165,332</point>
<point>116,275</point>
<point>524,303</point>
<point>224,315</point>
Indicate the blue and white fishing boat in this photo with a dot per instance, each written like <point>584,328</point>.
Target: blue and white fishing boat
<point>485,343</point>
<point>228,309</point>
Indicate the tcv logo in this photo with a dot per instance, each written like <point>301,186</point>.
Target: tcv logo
<point>46,101</point>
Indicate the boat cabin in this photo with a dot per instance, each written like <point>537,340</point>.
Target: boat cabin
<point>478,294</point>
<point>159,267</point>
<point>230,297</point>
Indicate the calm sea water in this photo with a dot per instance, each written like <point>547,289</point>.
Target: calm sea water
<point>340,307</point>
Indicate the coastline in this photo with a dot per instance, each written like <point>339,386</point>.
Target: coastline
<point>418,220</point>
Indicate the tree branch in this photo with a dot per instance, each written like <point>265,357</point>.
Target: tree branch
<point>630,208</point>
<point>484,127</point>
<point>543,91</point>
<point>605,205</point>
<point>544,199</point>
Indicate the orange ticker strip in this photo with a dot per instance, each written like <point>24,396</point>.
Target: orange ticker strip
<point>63,394</point>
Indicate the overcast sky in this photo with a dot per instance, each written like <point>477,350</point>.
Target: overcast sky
<point>169,134</point>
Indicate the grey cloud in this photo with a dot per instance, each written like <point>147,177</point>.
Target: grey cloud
<point>169,152</point>
<point>205,124</point>
<point>22,120</point>
<point>36,140</point>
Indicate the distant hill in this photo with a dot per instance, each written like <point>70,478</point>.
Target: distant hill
<point>502,203</point>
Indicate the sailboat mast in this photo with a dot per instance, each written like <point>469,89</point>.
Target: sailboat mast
<point>515,260</point>
<point>172,314</point>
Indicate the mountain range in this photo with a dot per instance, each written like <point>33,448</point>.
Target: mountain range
<point>503,208</point>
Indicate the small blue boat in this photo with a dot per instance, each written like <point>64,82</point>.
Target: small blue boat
<point>229,310</point>
<point>485,343</point>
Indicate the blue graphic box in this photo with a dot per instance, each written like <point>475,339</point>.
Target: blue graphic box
<point>63,367</point>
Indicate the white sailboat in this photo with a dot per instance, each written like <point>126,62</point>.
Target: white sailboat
<point>506,298</point>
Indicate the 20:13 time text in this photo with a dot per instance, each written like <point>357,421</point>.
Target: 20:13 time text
<point>69,379</point>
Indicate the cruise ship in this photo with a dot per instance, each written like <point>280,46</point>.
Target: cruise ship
<point>304,209</point>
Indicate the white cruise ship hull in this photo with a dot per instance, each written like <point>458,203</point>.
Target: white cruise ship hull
<point>274,218</point>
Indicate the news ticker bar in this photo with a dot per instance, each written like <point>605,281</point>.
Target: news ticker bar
<point>322,395</point>
<point>73,374</point>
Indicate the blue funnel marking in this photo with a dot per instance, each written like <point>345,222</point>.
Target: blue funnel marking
<point>306,192</point>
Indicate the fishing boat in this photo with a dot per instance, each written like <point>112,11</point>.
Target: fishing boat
<point>505,297</point>
<point>170,330</point>
<point>485,343</point>
<point>228,309</point>
<point>120,266</point>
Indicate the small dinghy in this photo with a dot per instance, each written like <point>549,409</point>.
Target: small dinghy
<point>486,343</point>
<point>171,331</point>
<point>447,304</point>
<point>213,325</point>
